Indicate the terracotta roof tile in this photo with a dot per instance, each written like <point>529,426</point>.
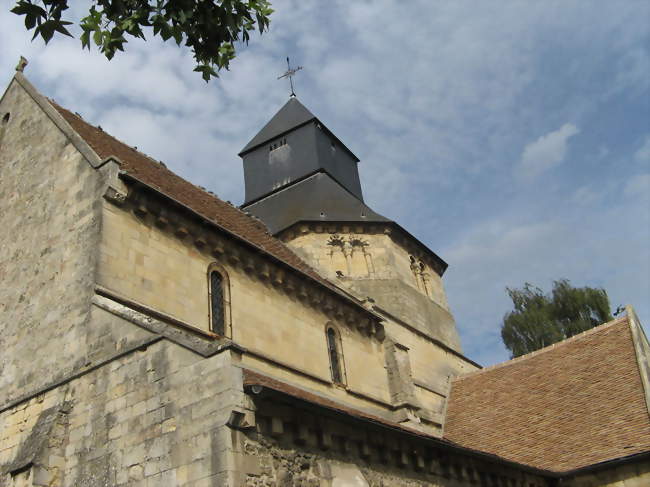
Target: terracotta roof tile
<point>252,378</point>
<point>574,404</point>
<point>156,175</point>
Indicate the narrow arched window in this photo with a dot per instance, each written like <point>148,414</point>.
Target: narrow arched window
<point>219,301</point>
<point>335,355</point>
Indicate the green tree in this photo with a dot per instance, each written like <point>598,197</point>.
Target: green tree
<point>210,28</point>
<point>539,319</point>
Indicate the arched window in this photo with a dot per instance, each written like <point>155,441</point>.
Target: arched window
<point>335,355</point>
<point>219,301</point>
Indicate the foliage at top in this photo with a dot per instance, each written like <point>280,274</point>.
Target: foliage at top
<point>210,28</point>
<point>539,320</point>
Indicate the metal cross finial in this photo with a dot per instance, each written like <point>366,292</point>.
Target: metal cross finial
<point>289,74</point>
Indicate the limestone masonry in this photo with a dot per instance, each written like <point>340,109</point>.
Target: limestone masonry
<point>152,334</point>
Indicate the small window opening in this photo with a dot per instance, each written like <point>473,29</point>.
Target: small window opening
<point>278,144</point>
<point>3,126</point>
<point>217,303</point>
<point>334,352</point>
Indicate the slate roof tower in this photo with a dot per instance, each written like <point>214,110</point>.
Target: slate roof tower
<point>296,169</point>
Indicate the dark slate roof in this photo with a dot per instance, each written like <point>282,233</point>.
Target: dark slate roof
<point>576,403</point>
<point>316,198</point>
<point>293,114</point>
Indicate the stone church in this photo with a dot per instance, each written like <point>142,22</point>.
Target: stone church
<point>152,334</point>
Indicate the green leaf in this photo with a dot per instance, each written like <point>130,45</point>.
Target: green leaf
<point>85,39</point>
<point>30,21</point>
<point>46,29</point>
<point>60,28</point>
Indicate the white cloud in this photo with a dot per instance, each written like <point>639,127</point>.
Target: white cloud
<point>639,185</point>
<point>643,154</point>
<point>585,195</point>
<point>544,153</point>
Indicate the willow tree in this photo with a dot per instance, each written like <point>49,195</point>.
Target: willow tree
<point>540,319</point>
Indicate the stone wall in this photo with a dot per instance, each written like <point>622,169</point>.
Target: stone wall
<point>50,221</point>
<point>283,332</point>
<point>155,416</point>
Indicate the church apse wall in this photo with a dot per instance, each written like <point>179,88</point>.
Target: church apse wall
<point>50,220</point>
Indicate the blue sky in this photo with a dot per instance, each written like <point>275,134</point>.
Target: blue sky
<point>512,137</point>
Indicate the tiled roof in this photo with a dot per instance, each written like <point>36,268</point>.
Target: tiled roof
<point>253,378</point>
<point>156,175</point>
<point>574,404</point>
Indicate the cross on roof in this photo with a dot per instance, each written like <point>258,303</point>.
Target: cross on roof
<point>289,74</point>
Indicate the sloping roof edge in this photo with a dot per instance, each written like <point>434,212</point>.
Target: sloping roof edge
<point>535,353</point>
<point>253,378</point>
<point>642,350</point>
<point>53,114</point>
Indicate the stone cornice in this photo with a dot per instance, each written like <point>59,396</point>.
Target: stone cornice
<point>392,229</point>
<point>312,422</point>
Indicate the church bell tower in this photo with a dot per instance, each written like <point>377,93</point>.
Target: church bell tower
<point>303,183</point>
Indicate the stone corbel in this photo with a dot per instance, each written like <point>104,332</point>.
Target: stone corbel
<point>301,436</point>
<point>265,271</point>
<point>115,196</point>
<point>234,255</point>
<point>241,419</point>
<point>249,264</point>
<point>277,427</point>
<point>278,277</point>
<point>200,242</point>
<point>324,438</point>
<point>181,232</point>
<point>290,284</point>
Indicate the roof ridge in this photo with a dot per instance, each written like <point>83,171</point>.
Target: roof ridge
<point>553,346</point>
<point>100,128</point>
